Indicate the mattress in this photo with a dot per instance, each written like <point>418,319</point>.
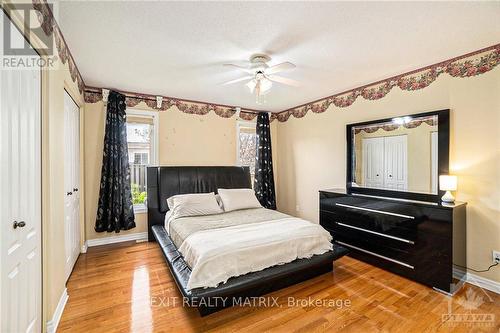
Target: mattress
<point>181,228</point>
<point>220,246</point>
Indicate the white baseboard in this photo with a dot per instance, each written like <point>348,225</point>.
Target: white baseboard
<point>84,247</point>
<point>483,282</point>
<point>138,236</point>
<point>56,317</point>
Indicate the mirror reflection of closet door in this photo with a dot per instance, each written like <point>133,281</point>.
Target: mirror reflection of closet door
<point>385,163</point>
<point>373,162</point>
<point>395,162</point>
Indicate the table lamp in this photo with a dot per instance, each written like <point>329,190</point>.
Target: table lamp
<point>448,183</point>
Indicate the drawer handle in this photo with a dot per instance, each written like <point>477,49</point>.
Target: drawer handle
<point>376,233</point>
<point>376,211</point>
<point>377,255</point>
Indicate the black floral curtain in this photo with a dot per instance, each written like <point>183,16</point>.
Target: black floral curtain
<point>115,210</point>
<point>264,178</point>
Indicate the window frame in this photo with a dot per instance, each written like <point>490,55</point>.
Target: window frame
<point>239,125</point>
<point>142,208</point>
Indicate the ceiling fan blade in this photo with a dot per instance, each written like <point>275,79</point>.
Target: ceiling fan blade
<point>248,77</point>
<point>241,68</point>
<point>251,85</point>
<point>284,80</point>
<point>284,66</point>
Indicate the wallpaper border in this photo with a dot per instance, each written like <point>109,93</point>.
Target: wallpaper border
<point>50,26</point>
<point>467,65</point>
<point>389,127</point>
<point>94,95</point>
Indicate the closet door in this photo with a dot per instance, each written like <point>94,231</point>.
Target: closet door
<point>373,162</point>
<point>395,163</point>
<point>71,182</point>
<point>20,199</point>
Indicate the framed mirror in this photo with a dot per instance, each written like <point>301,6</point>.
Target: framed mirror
<point>399,157</point>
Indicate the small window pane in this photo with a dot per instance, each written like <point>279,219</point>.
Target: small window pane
<point>139,155</point>
<point>247,148</point>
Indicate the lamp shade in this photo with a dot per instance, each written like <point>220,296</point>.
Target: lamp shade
<point>447,183</point>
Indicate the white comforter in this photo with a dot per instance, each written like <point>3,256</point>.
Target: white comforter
<point>215,255</point>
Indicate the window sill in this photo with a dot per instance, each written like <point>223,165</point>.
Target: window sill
<point>140,208</point>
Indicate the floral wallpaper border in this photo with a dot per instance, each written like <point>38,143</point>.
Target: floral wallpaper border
<point>50,26</point>
<point>467,65</point>
<point>93,95</point>
<point>431,121</point>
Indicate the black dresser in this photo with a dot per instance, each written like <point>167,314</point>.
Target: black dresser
<point>422,241</point>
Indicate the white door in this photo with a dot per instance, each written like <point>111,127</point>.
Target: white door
<point>373,162</point>
<point>20,200</point>
<point>434,162</point>
<point>71,182</point>
<point>395,163</point>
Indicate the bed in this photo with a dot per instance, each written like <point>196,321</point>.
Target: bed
<point>164,182</point>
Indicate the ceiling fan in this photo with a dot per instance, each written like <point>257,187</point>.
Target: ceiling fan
<point>261,76</point>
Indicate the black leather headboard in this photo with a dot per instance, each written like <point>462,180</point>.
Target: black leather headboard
<point>164,182</point>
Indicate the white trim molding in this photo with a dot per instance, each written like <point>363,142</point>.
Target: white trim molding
<point>105,95</point>
<point>138,237</point>
<point>140,208</point>
<point>84,247</point>
<point>484,283</point>
<point>56,317</point>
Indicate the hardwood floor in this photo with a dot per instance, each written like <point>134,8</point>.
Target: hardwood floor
<point>127,288</point>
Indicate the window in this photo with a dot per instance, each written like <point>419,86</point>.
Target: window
<point>141,158</point>
<point>141,140</point>
<point>246,142</point>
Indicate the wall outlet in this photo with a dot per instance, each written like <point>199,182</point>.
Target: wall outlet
<point>496,256</point>
<point>297,208</point>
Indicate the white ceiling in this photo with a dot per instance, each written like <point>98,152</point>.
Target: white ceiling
<point>177,48</point>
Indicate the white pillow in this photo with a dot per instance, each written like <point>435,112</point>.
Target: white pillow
<point>194,204</point>
<point>238,198</point>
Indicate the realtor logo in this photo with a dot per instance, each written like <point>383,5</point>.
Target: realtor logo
<point>472,316</point>
<point>20,44</point>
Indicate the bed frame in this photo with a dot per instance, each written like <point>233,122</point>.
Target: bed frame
<point>163,182</point>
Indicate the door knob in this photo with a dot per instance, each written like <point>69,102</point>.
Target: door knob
<point>75,190</point>
<point>69,193</point>
<point>19,224</point>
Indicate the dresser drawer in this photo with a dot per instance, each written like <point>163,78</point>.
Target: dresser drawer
<point>372,237</point>
<point>369,225</point>
<point>393,255</point>
<point>370,206</point>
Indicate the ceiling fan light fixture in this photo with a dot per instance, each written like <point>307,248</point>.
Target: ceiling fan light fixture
<point>262,76</point>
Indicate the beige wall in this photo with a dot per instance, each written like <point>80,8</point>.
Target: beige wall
<point>184,139</point>
<point>314,156</point>
<point>418,154</point>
